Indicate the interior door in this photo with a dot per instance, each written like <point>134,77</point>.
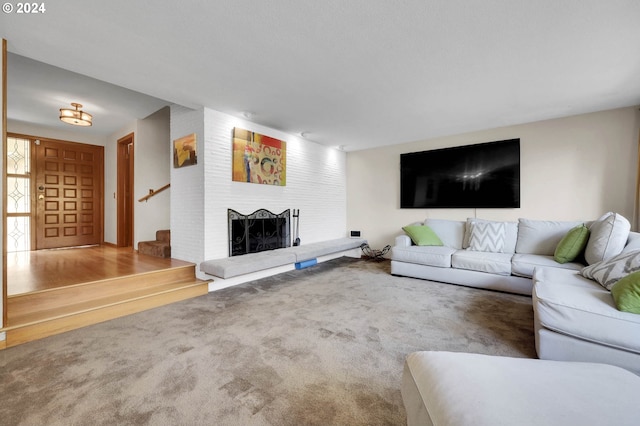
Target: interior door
<point>69,190</point>
<point>125,191</point>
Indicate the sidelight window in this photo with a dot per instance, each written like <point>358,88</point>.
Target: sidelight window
<point>18,199</point>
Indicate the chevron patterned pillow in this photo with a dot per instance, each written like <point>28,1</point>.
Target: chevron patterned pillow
<point>610,271</point>
<point>487,236</point>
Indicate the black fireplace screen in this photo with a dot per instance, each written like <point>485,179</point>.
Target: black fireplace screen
<point>259,231</point>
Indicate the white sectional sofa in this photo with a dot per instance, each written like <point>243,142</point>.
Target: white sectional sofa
<point>575,317</point>
<point>527,244</point>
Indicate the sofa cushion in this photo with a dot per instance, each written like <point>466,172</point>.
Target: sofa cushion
<point>451,232</point>
<point>626,293</point>
<point>541,236</point>
<point>422,235</point>
<point>608,237</point>
<point>571,304</point>
<point>424,255</point>
<point>510,234</point>
<point>487,236</point>
<point>524,264</point>
<point>608,272</point>
<point>633,242</point>
<point>572,244</point>
<point>455,388</point>
<point>493,263</point>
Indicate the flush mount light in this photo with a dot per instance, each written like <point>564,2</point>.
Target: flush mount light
<point>76,116</point>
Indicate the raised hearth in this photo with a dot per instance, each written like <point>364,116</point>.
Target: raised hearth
<point>259,231</point>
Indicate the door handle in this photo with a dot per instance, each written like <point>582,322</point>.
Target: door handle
<point>41,197</point>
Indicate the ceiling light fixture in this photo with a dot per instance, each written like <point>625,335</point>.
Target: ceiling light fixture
<point>76,116</point>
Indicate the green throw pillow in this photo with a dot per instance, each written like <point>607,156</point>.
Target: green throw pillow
<point>626,293</point>
<point>572,244</point>
<point>422,235</point>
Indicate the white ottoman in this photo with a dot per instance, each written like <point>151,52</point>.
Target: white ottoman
<point>448,388</point>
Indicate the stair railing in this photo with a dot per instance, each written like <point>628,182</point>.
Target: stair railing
<point>154,192</point>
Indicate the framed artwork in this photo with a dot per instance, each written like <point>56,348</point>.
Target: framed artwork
<point>184,151</point>
<point>258,158</point>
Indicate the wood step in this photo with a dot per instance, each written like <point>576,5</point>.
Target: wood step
<point>37,325</point>
<point>43,313</point>
<point>43,300</point>
<point>40,315</point>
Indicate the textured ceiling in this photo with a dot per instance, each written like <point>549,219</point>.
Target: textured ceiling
<point>358,73</point>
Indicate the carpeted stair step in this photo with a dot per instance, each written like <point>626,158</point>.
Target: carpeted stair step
<point>164,235</point>
<point>161,247</point>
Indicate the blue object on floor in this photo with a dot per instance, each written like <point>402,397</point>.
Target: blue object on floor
<point>306,263</point>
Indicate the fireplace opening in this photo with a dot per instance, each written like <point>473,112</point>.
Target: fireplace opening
<point>259,231</point>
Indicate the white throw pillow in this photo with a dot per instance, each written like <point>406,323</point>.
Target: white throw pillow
<point>608,237</point>
<point>541,236</point>
<point>610,271</point>
<point>487,236</point>
<point>450,232</point>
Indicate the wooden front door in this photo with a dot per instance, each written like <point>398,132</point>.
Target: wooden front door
<point>69,194</point>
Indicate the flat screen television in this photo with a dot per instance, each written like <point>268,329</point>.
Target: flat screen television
<point>485,175</point>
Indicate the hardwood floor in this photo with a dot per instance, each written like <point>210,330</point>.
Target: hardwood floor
<point>46,269</point>
<point>53,291</point>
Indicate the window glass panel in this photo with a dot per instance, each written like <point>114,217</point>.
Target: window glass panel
<point>18,234</point>
<point>18,156</point>
<point>18,195</point>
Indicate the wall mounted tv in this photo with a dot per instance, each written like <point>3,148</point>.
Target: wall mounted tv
<point>485,175</point>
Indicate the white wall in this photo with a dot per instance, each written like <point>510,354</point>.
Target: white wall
<point>188,190</point>
<point>574,168</point>
<point>316,184</point>
<point>152,170</point>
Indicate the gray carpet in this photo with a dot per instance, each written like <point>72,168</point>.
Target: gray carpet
<point>320,346</point>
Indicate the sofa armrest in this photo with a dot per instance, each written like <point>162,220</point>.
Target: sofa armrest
<point>403,241</point>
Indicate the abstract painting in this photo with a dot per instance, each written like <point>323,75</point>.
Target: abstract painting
<point>184,151</point>
<point>258,158</point>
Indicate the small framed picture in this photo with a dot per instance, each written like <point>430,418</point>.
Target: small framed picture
<point>184,151</point>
